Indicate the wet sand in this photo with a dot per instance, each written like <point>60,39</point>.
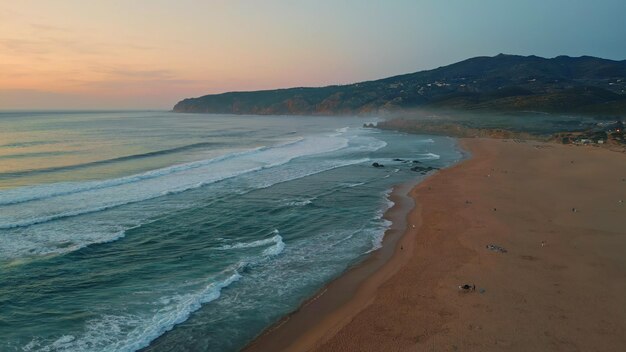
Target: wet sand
<point>559,287</point>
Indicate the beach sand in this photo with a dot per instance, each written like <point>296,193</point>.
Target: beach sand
<point>561,285</point>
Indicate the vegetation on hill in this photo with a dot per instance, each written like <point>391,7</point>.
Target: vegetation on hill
<point>500,83</point>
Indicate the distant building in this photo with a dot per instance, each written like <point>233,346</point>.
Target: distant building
<point>617,127</point>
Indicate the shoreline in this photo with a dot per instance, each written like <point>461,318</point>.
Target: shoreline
<point>320,317</point>
<point>329,309</point>
<point>558,287</point>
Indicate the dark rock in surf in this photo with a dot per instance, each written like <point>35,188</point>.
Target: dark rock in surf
<point>423,169</point>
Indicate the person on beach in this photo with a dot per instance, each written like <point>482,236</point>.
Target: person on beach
<point>468,287</point>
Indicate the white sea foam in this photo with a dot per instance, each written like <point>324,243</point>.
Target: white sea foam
<point>43,239</point>
<point>30,229</point>
<point>379,233</point>
<point>322,167</point>
<point>19,249</point>
<point>299,203</point>
<point>130,332</point>
<point>339,132</point>
<point>26,209</point>
<point>375,144</point>
<point>350,235</point>
<point>264,242</point>
<point>32,193</point>
<point>276,249</point>
<point>388,203</point>
<point>126,326</point>
<point>430,156</point>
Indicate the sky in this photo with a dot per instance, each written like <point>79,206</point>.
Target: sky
<point>149,54</point>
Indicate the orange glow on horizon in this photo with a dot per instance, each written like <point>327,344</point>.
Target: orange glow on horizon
<point>152,53</point>
<point>95,51</point>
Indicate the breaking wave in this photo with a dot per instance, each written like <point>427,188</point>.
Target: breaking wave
<point>128,333</point>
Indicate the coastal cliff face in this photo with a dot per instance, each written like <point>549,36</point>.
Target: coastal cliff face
<point>500,83</point>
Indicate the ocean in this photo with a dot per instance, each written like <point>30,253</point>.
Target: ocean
<point>122,231</point>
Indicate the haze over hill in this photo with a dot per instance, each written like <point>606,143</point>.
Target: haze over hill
<point>501,83</point>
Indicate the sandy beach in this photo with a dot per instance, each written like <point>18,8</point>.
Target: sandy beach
<point>557,211</point>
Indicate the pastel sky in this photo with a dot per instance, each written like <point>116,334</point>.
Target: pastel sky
<point>117,54</point>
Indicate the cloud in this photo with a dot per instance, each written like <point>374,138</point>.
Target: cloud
<point>38,99</point>
<point>121,86</point>
<point>23,46</point>
<point>49,28</point>
<point>12,70</point>
<point>44,39</point>
<point>120,71</point>
<point>47,45</point>
<point>6,14</point>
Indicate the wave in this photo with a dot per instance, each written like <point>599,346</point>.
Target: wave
<point>339,132</point>
<point>44,219</point>
<point>27,144</point>
<point>129,332</point>
<point>299,202</point>
<point>276,249</point>
<point>379,235</point>
<point>378,144</point>
<point>384,224</point>
<point>85,211</point>
<point>101,162</point>
<point>37,155</point>
<point>47,237</point>
<point>123,198</point>
<point>26,194</point>
<point>17,250</point>
<point>276,239</point>
<point>430,156</point>
<point>108,333</point>
<point>26,249</point>
<point>332,166</point>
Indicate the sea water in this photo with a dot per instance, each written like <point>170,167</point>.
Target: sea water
<point>122,231</point>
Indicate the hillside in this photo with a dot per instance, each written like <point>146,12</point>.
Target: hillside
<point>500,83</point>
